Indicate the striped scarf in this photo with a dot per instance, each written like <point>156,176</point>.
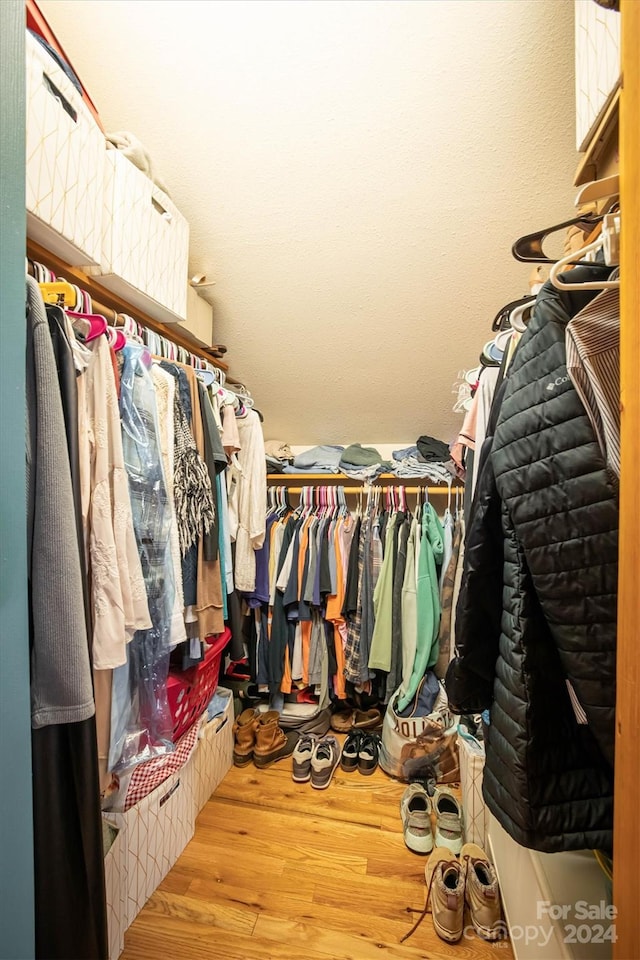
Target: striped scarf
<point>194,503</point>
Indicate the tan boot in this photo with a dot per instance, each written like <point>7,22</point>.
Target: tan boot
<point>445,878</point>
<point>272,743</point>
<point>244,731</point>
<point>482,894</point>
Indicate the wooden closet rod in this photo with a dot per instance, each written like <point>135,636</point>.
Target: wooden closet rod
<point>383,481</point>
<point>432,491</point>
<point>110,304</point>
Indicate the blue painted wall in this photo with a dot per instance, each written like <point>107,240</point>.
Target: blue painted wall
<point>16,828</point>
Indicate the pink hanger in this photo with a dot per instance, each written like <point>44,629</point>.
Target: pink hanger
<point>116,337</point>
<point>97,323</point>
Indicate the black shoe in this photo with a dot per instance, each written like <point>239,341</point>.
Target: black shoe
<point>351,751</point>
<point>368,753</point>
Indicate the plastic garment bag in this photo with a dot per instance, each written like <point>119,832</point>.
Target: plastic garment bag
<point>141,721</point>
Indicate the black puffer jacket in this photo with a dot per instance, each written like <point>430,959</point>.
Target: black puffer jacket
<point>536,617</point>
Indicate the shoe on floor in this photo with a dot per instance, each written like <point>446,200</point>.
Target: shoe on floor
<point>325,759</point>
<point>448,820</point>
<point>342,721</point>
<point>272,743</point>
<point>367,719</point>
<point>482,893</point>
<point>445,891</point>
<point>415,810</point>
<point>244,734</point>
<point>302,757</point>
<point>368,753</point>
<point>351,750</point>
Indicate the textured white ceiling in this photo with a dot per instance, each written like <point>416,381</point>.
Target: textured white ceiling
<point>354,174</point>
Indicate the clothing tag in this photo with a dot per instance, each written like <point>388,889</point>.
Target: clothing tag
<point>580,715</point>
<point>195,650</point>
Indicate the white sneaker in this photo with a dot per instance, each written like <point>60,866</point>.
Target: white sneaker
<point>325,759</point>
<point>415,810</point>
<point>448,820</point>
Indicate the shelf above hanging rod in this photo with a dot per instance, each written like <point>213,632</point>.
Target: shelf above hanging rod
<point>107,302</point>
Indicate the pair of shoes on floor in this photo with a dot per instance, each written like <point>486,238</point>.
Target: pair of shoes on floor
<point>344,721</point>
<point>360,751</point>
<point>315,758</point>
<point>451,883</point>
<point>258,737</point>
<point>416,807</point>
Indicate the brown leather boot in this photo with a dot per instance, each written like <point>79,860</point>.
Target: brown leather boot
<point>272,743</point>
<point>244,731</point>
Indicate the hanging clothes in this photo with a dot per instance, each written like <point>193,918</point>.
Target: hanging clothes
<point>70,902</point>
<point>247,498</point>
<point>165,387</point>
<point>119,599</point>
<point>380,652</point>
<point>141,723</point>
<point>430,553</point>
<point>373,557</point>
<point>209,583</point>
<point>548,635</point>
<point>447,597</point>
<point>61,689</point>
<point>353,602</point>
<point>593,363</point>
<point>394,677</point>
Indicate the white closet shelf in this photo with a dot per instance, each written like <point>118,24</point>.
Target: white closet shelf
<point>110,304</point>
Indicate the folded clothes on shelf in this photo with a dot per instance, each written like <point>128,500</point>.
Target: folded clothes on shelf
<point>323,458</point>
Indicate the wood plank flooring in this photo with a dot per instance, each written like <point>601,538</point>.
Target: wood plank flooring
<point>280,871</point>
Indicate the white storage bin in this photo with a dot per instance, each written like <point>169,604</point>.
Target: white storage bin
<point>65,154</point>
<point>597,65</point>
<point>476,815</point>
<point>145,243</point>
<point>115,875</point>
<point>213,755</point>
<point>156,832</point>
<point>199,322</point>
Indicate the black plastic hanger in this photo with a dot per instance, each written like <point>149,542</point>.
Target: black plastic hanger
<point>501,319</point>
<point>529,249</point>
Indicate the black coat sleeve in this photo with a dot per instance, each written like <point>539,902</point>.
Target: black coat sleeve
<point>469,679</point>
<point>470,676</point>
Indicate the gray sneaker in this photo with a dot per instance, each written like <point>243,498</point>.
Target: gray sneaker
<point>302,757</point>
<point>415,810</point>
<point>448,820</point>
<point>325,759</point>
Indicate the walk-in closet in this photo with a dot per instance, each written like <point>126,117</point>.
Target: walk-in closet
<point>319,576</point>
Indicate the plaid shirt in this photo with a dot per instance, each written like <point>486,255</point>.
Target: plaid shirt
<point>354,625</point>
<point>150,774</point>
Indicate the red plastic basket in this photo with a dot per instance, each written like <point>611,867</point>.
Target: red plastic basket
<point>189,692</point>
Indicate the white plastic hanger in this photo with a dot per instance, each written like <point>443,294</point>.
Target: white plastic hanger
<point>608,241</point>
<point>516,317</point>
<point>598,190</point>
